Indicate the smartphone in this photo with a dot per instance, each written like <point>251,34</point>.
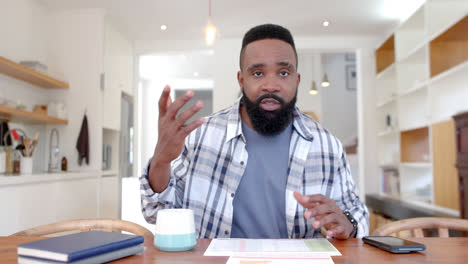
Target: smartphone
<point>393,244</point>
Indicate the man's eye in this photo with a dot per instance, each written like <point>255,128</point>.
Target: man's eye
<point>284,73</point>
<point>257,73</point>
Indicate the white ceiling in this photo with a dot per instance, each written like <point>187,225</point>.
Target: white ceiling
<point>141,19</point>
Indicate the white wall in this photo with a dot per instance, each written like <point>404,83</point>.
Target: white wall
<point>70,44</point>
<point>309,67</point>
<point>148,136</point>
<point>118,68</point>
<point>76,49</point>
<point>339,104</point>
<point>367,129</point>
<point>23,27</point>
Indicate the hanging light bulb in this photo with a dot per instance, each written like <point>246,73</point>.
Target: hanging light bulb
<point>313,89</point>
<point>210,34</point>
<point>325,82</point>
<point>210,29</point>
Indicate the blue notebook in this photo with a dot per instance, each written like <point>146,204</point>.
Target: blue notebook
<point>78,246</point>
<point>102,258</point>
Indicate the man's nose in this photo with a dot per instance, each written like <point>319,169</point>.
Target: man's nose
<point>270,84</point>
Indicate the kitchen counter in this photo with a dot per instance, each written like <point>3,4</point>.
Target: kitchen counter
<point>42,198</point>
<point>8,180</point>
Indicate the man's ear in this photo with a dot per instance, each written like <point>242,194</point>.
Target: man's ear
<point>298,79</point>
<point>240,80</point>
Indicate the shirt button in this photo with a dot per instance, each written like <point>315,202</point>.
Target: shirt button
<point>226,232</point>
<point>242,163</point>
<point>232,194</point>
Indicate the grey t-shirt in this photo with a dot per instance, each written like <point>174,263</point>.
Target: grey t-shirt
<point>259,203</point>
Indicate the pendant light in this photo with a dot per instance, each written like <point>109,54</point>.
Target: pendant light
<point>325,82</point>
<point>313,89</point>
<point>210,29</point>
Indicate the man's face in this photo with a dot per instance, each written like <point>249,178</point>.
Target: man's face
<point>268,81</point>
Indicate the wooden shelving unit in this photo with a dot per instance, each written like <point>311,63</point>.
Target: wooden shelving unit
<point>415,145</point>
<point>429,77</point>
<point>26,74</point>
<point>445,173</point>
<point>385,54</point>
<point>29,117</point>
<point>450,48</point>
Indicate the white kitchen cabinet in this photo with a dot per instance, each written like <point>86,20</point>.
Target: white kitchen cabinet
<point>77,199</point>
<point>109,205</point>
<point>118,75</point>
<point>32,200</point>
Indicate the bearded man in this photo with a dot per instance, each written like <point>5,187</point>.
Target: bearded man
<point>260,168</point>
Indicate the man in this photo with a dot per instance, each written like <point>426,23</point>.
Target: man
<point>259,169</point>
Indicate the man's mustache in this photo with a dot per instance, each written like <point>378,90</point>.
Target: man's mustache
<point>272,96</point>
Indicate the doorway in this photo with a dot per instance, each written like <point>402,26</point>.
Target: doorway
<point>126,137</point>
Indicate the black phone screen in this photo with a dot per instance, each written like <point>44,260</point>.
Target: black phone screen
<point>393,241</point>
<point>393,244</point>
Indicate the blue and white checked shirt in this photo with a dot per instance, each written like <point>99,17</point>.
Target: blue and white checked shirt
<point>206,174</point>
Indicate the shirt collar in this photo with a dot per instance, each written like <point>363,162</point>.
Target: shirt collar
<point>234,124</point>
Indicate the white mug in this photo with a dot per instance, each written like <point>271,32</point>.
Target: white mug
<point>26,165</point>
<point>175,230</point>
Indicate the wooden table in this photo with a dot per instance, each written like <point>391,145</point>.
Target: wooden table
<point>439,250</point>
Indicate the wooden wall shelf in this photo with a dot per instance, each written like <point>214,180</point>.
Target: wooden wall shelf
<point>29,117</point>
<point>385,54</point>
<point>415,145</point>
<point>26,74</point>
<point>450,48</point>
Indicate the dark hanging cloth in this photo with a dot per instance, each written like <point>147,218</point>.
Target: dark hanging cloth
<point>82,145</point>
<point>3,131</point>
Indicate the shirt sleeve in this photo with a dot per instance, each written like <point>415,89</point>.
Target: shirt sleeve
<point>171,197</point>
<point>347,198</point>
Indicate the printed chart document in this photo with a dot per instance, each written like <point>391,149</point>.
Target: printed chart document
<point>249,260</point>
<point>272,248</point>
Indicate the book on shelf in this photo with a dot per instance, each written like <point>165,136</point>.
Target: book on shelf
<point>78,246</point>
<point>102,258</point>
<point>391,182</point>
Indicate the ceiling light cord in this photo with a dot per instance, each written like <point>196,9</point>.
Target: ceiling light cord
<point>209,8</point>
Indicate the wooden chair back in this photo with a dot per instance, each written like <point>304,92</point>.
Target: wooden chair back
<point>416,226</point>
<point>109,225</point>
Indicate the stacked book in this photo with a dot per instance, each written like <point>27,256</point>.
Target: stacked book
<point>391,182</point>
<point>80,248</point>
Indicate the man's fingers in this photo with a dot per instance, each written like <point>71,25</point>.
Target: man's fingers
<point>186,129</point>
<point>178,103</point>
<point>187,114</point>
<point>318,198</point>
<point>318,210</point>
<point>164,100</point>
<point>326,221</point>
<point>310,201</point>
<point>301,199</point>
<point>337,231</point>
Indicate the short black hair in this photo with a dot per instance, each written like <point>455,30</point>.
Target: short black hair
<point>267,31</point>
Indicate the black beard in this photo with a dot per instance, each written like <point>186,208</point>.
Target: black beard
<point>269,123</point>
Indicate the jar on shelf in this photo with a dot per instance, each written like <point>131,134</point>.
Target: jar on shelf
<point>2,160</point>
<point>8,160</point>
<point>16,162</point>
<point>64,164</point>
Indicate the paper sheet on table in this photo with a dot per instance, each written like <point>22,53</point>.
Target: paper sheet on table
<point>271,248</point>
<point>247,260</point>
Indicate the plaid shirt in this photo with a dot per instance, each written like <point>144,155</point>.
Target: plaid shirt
<point>207,173</point>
